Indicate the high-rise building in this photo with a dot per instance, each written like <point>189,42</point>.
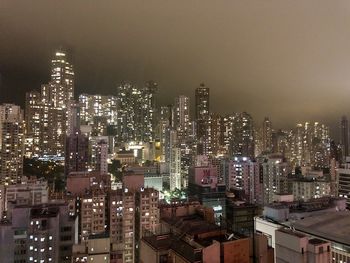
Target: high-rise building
<point>343,176</point>
<point>11,143</point>
<point>129,113</point>
<point>267,135</point>
<point>175,168</point>
<point>243,175</point>
<point>136,110</point>
<point>227,130</point>
<point>202,109</point>
<point>76,153</point>
<point>275,171</point>
<point>73,117</point>
<point>102,156</point>
<point>202,102</point>
<point>98,106</point>
<point>161,130</point>
<point>29,192</point>
<point>182,116</point>
<point>344,135</point>
<point>48,111</point>
<point>242,140</point>
<point>280,143</point>
<point>93,213</point>
<point>62,73</point>
<point>148,107</point>
<point>310,145</point>
<point>205,183</point>
<point>39,233</point>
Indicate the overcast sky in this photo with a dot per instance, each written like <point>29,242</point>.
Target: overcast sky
<point>289,60</point>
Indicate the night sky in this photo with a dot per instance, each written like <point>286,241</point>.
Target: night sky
<point>286,59</point>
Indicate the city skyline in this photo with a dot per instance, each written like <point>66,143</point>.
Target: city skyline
<point>162,132</point>
<point>223,52</point>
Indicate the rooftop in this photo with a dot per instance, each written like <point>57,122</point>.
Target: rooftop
<point>192,225</point>
<point>179,246</point>
<point>331,226</point>
<point>291,232</point>
<point>316,241</point>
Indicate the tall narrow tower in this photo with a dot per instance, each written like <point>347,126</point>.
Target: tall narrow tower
<point>267,135</point>
<point>344,135</point>
<point>62,75</point>
<point>202,109</point>
<point>11,143</point>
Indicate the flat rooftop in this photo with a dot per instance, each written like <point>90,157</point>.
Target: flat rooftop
<point>316,241</point>
<point>291,232</point>
<point>179,246</point>
<point>330,226</point>
<point>191,225</point>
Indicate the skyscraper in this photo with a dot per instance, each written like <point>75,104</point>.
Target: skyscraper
<point>242,141</point>
<point>98,106</point>
<point>11,143</point>
<point>267,135</point>
<point>162,127</point>
<point>344,135</point>
<point>275,172</point>
<point>202,102</point>
<point>45,125</point>
<point>62,74</point>
<point>47,111</point>
<point>76,152</point>
<point>148,106</point>
<point>129,113</point>
<point>202,109</point>
<point>182,116</point>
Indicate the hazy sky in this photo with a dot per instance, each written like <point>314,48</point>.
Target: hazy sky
<point>289,60</point>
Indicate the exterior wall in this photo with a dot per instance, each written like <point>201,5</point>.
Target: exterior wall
<point>211,254</point>
<point>176,258</point>
<point>7,242</point>
<point>93,217</point>
<point>169,211</point>
<point>266,228</point>
<point>275,174</point>
<point>31,193</point>
<point>77,184</point>
<point>147,254</point>
<point>205,175</point>
<point>133,182</point>
<point>237,251</point>
<point>306,190</point>
<point>104,258</point>
<point>263,253</point>
<point>319,253</point>
<point>149,212</point>
<point>244,174</point>
<point>39,234</point>
<point>291,248</point>
<point>175,168</point>
<point>343,175</point>
<point>116,217</point>
<point>2,199</point>
<point>129,227</point>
